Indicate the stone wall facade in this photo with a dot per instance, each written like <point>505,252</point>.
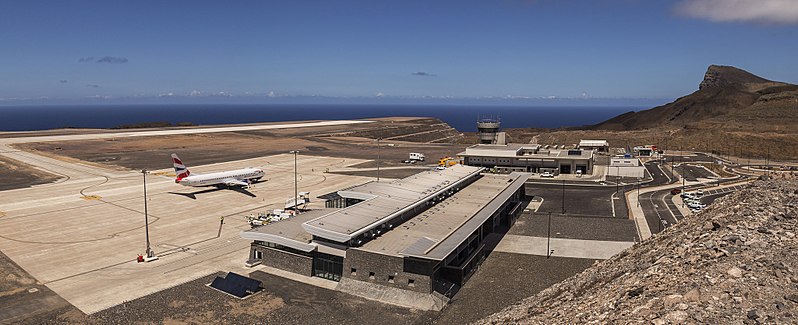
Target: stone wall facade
<point>285,260</point>
<point>383,269</point>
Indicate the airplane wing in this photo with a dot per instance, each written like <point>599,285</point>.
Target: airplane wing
<point>235,182</point>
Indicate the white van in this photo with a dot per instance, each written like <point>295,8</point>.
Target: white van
<point>416,156</point>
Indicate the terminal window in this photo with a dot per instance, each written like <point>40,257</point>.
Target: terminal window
<point>371,275</point>
<point>390,279</point>
<point>411,283</point>
<point>354,271</point>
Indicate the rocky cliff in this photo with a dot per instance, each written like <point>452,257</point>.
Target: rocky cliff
<point>723,95</point>
<point>733,263</point>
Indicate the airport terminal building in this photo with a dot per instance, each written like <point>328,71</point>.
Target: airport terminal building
<point>424,233</point>
<point>528,158</point>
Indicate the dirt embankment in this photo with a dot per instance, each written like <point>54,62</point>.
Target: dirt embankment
<point>22,299</point>
<point>14,174</point>
<point>733,263</point>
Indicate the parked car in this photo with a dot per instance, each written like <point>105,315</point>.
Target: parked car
<point>675,191</point>
<point>546,174</point>
<point>699,192</point>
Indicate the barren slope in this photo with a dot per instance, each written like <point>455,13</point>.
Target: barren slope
<point>733,263</point>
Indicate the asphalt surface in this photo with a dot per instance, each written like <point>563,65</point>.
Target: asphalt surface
<point>659,210</point>
<point>693,173</point>
<point>697,157</point>
<point>712,195</point>
<point>661,176</point>
<point>575,227</point>
<point>580,200</point>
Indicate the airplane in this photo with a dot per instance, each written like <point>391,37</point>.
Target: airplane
<point>239,177</point>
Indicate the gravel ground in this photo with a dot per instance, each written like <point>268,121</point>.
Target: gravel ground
<point>14,174</point>
<point>22,298</point>
<point>281,301</point>
<point>504,279</point>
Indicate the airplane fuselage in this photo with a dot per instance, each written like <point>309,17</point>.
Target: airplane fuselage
<point>233,177</point>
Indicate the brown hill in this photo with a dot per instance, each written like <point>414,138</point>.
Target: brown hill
<point>733,263</point>
<point>728,97</point>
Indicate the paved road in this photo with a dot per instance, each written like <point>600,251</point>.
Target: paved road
<point>659,209</point>
<point>660,176</point>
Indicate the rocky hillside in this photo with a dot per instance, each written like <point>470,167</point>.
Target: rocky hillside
<point>726,94</point>
<point>733,263</point>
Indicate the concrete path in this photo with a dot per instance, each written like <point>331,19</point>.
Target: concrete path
<point>575,248</point>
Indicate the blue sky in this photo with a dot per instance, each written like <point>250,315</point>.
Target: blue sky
<point>72,50</point>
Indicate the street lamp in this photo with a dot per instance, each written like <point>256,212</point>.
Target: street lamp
<point>296,184</point>
<point>563,196</point>
<point>638,191</point>
<point>378,159</point>
<point>148,252</point>
<point>548,238</point>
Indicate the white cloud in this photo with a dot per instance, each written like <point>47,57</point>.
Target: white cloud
<point>195,93</point>
<point>763,11</point>
<point>271,94</point>
<point>380,94</point>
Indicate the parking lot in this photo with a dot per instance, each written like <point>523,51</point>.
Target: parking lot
<point>692,173</point>
<point>710,195</point>
<point>580,200</point>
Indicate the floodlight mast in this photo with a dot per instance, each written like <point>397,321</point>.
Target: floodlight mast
<point>148,252</point>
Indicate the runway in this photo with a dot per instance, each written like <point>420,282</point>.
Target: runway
<point>80,235</point>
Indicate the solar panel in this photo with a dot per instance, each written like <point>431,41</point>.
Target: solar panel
<point>236,285</point>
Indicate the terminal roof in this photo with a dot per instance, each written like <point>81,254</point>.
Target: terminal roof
<point>287,232</point>
<point>438,231</point>
<point>385,200</point>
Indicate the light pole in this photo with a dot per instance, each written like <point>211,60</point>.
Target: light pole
<point>148,252</point>
<point>682,191</point>
<point>638,191</point>
<point>378,159</point>
<point>296,184</point>
<point>548,240</point>
<point>563,196</point>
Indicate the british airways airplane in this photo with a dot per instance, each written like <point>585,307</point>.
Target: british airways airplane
<point>240,177</point>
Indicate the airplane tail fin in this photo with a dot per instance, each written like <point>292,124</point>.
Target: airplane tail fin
<point>181,171</point>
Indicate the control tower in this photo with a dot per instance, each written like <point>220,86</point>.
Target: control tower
<point>488,130</point>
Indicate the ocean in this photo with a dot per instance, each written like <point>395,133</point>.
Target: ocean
<point>461,117</point>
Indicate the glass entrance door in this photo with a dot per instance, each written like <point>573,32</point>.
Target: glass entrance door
<point>328,266</point>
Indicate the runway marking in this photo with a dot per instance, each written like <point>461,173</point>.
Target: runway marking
<point>91,197</point>
<point>170,174</point>
<point>2,214</point>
